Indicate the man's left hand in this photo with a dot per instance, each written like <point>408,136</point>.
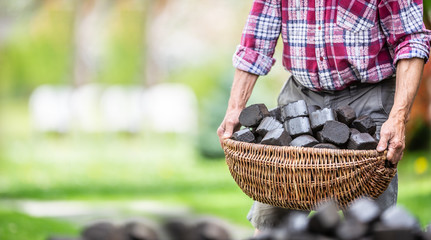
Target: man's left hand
<point>392,134</point>
<point>392,137</point>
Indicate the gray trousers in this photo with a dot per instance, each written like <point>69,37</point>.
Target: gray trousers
<point>375,100</point>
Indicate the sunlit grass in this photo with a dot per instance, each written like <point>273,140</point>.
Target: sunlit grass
<point>18,226</point>
<point>414,186</point>
<point>158,167</point>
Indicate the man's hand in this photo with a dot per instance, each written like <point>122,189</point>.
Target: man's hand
<point>392,137</point>
<point>229,125</point>
<point>242,86</point>
<point>392,134</point>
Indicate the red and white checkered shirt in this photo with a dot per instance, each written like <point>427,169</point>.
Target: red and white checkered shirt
<point>329,44</point>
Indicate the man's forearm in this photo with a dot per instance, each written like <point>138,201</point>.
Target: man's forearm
<point>242,87</point>
<point>409,74</point>
<point>392,134</point>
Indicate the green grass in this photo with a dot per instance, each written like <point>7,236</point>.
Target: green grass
<point>414,186</point>
<point>163,168</point>
<point>18,226</point>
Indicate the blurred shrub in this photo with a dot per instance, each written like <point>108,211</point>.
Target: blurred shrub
<point>37,52</point>
<point>122,62</point>
<point>211,115</point>
<point>419,137</point>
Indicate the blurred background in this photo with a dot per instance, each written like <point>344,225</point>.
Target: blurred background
<point>109,110</point>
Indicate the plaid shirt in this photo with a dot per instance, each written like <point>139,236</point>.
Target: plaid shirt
<point>329,44</point>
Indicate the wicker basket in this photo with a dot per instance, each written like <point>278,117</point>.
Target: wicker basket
<point>300,178</point>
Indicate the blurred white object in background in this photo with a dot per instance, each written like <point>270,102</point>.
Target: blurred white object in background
<point>86,108</point>
<point>50,108</point>
<point>162,108</point>
<point>121,109</point>
<point>170,108</point>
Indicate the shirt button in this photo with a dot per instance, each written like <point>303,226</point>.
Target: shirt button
<point>321,59</point>
<point>320,28</point>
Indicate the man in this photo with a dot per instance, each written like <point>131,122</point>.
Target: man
<point>366,53</point>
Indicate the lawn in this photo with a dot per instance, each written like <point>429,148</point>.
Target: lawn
<point>19,226</point>
<point>164,168</point>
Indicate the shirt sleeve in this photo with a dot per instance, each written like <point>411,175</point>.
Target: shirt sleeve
<point>402,24</point>
<point>259,38</point>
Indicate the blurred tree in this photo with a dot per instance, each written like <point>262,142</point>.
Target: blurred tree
<point>89,38</point>
<point>152,70</point>
<point>124,51</point>
<point>38,47</point>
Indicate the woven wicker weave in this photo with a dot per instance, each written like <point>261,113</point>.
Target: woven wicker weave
<point>300,178</point>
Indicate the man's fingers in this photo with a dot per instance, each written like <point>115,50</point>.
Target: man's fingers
<point>394,155</point>
<point>229,129</point>
<point>226,130</point>
<point>229,125</point>
<point>383,143</point>
<point>220,132</point>
<point>391,153</point>
<point>395,152</point>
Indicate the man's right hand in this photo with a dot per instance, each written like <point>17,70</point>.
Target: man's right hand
<point>229,125</point>
<point>242,86</point>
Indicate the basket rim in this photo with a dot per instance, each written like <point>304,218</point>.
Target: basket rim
<point>310,150</point>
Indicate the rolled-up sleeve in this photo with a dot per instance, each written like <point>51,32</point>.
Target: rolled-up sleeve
<point>259,38</point>
<point>402,24</point>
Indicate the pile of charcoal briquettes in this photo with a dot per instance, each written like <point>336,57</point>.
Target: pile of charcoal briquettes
<point>171,229</point>
<point>301,125</point>
<point>362,220</point>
